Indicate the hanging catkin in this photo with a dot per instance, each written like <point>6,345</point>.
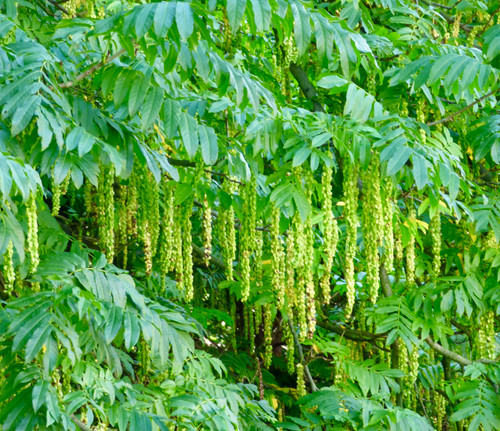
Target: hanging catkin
<point>106,212</point>
<point>351,220</point>
<point>330,234</point>
<point>167,231</point>
<point>410,249</point>
<point>435,231</point>
<point>207,227</point>
<point>373,225</point>
<point>8,269</point>
<point>32,240</point>
<point>388,215</point>
<point>247,234</point>
<point>278,258</point>
<point>59,190</point>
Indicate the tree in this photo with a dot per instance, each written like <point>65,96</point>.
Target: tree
<point>265,214</point>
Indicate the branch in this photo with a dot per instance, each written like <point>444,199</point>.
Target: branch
<point>306,86</point>
<point>452,116</point>
<point>92,69</point>
<point>58,6</point>
<point>80,424</point>
<point>314,388</point>
<point>454,356</point>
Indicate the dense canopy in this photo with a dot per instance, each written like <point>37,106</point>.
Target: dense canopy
<point>249,215</point>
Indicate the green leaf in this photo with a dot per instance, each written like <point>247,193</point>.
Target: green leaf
<point>138,92</point>
<point>151,107</point>
<point>398,160</point>
<point>262,14</point>
<point>301,156</point>
<point>188,128</point>
<point>164,18</point>
<point>235,11</point>
<point>301,26</point>
<point>39,338</point>
<point>302,203</point>
<point>209,147</point>
<point>39,394</point>
<point>419,171</point>
<point>184,19</point>
<point>23,115</point>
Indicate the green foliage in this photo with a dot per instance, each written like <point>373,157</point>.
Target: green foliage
<point>134,133</point>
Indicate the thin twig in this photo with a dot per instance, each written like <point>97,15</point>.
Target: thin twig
<point>452,116</point>
<point>314,388</point>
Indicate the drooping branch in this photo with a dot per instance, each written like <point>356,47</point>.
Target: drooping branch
<point>470,105</point>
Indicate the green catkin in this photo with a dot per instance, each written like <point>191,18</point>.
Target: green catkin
<point>32,240</point>
<point>106,212</point>
<point>410,250</point>
<point>413,374</point>
<point>247,234</point>
<point>268,335</point>
<point>88,193</point>
<point>435,231</point>
<point>301,384</point>
<point>388,214</point>
<point>166,249</point>
<point>251,329</point>
<point>398,251</point>
<point>278,257</point>
<point>187,249</point>
<point>207,228</point>
<point>485,341</point>
<point>232,313</point>
<point>330,234</point>
<point>8,269</point>
<point>309,281</point>
<point>290,300</point>
<point>58,191</point>
<point>177,257</point>
<point>122,231</point>
<point>440,405</point>
<point>351,204</point>
<point>373,225</point>
<point>300,282</point>
<point>227,233</point>
<point>422,117</point>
